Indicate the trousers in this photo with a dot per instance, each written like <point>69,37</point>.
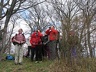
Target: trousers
<point>18,53</point>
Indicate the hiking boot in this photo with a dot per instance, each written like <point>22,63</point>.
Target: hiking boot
<point>16,63</point>
<point>20,63</point>
<point>36,61</point>
<point>40,61</point>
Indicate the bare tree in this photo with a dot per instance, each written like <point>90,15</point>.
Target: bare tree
<point>87,8</point>
<point>7,9</point>
<point>13,8</point>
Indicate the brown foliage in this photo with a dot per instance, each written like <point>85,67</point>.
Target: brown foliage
<point>81,65</point>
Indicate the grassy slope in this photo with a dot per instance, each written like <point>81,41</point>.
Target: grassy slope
<point>28,66</point>
<point>82,65</point>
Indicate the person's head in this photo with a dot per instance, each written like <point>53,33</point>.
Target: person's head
<point>29,37</point>
<point>36,31</point>
<point>52,27</point>
<point>71,32</point>
<point>20,30</point>
<point>39,30</point>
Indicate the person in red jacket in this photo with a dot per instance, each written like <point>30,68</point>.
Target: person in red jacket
<point>39,47</point>
<point>33,42</point>
<point>36,45</point>
<point>52,35</point>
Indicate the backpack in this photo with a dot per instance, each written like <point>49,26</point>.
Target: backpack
<point>10,57</point>
<point>14,43</point>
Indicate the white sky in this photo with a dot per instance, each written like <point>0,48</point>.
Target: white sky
<point>21,24</point>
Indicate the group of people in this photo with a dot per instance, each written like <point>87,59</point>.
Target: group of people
<point>40,45</point>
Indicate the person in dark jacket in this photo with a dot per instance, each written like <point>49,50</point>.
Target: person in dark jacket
<point>72,43</point>
<point>45,50</point>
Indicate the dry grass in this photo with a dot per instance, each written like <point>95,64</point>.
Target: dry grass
<point>81,65</point>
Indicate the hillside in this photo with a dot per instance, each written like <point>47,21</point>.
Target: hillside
<point>82,65</point>
<point>27,66</point>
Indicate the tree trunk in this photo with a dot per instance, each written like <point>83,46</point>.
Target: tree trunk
<point>8,16</point>
<point>5,34</point>
<point>1,8</point>
<point>89,44</point>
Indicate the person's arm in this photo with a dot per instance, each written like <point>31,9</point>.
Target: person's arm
<point>15,40</point>
<point>31,39</point>
<point>76,40</point>
<point>56,34</point>
<point>47,32</point>
<point>24,39</point>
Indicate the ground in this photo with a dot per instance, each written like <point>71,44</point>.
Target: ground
<point>62,65</point>
<point>27,66</point>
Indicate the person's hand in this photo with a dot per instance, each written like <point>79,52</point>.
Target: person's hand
<point>22,41</point>
<point>18,42</point>
<point>44,43</point>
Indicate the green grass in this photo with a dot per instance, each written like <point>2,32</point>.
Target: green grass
<point>27,66</point>
<point>80,65</point>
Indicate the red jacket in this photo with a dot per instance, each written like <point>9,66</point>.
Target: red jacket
<point>35,38</point>
<point>52,34</point>
<point>40,35</point>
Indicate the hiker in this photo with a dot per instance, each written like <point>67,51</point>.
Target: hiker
<point>33,42</point>
<point>29,47</point>
<point>45,50</point>
<point>72,43</point>
<point>19,40</point>
<point>39,46</point>
<point>36,45</point>
<point>52,35</point>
